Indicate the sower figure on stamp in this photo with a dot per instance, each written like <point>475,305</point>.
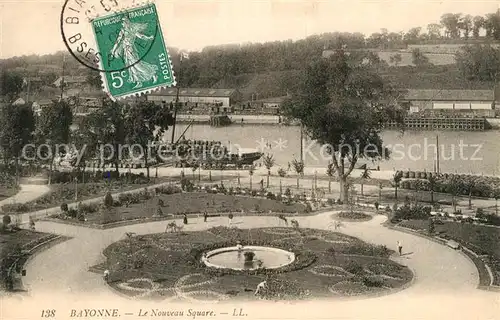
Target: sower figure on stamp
<point>140,71</point>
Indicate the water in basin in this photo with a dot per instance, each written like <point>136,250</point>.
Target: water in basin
<point>234,259</point>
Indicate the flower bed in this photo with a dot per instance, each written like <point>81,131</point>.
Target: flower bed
<point>353,216</point>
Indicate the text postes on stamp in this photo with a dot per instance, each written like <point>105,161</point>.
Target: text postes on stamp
<point>132,47</point>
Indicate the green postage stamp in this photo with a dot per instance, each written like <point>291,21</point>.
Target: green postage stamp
<point>133,55</point>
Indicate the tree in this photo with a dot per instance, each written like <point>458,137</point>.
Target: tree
<point>145,124</point>
<point>365,175</point>
<point>469,185</point>
<point>17,125</point>
<point>413,35</point>
<point>330,171</point>
<point>298,166</point>
<point>431,226</point>
<point>251,171</point>
<point>432,181</point>
<point>465,24</point>
<point>6,220</point>
<point>194,166</point>
<point>477,24</point>
<point>418,58</point>
<point>344,106</point>
<point>11,84</point>
<point>496,196</point>
<point>434,31</point>
<point>453,187</point>
<point>396,59</point>
<point>479,62</point>
<point>104,128</point>
<point>492,25</point>
<point>53,129</point>
<point>450,22</point>
<point>94,79</point>
<point>268,163</point>
<point>396,180</point>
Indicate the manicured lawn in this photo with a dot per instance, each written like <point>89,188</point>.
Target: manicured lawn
<point>12,244</point>
<point>66,193</point>
<point>189,203</point>
<point>483,240</point>
<point>327,264</point>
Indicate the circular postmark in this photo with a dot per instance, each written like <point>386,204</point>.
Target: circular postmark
<point>108,35</point>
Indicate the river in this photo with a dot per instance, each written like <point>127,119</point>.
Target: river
<point>463,152</point>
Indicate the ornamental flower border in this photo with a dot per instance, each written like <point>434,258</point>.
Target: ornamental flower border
<point>303,259</point>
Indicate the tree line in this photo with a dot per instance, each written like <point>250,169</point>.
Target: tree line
<point>213,63</point>
<point>115,124</point>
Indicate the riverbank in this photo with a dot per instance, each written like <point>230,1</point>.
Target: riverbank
<point>235,119</point>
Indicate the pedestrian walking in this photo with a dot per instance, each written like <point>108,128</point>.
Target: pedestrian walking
<point>205,216</point>
<point>288,166</point>
<point>106,275</point>
<point>185,219</point>
<point>400,248</point>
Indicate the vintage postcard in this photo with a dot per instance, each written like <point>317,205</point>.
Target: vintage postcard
<point>249,159</point>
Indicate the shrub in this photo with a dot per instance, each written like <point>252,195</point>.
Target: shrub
<point>354,268</point>
<point>168,190</point>
<point>373,282</point>
<point>270,196</point>
<point>108,200</point>
<point>160,203</point>
<point>281,172</point>
<point>406,175</point>
<point>64,207</point>
<point>72,213</point>
<point>88,208</point>
<point>308,208</point>
<point>407,212</point>
<point>288,193</point>
<point>6,220</point>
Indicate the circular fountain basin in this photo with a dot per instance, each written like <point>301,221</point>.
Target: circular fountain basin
<point>232,258</point>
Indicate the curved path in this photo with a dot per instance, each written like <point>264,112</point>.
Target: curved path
<point>27,193</point>
<point>445,281</point>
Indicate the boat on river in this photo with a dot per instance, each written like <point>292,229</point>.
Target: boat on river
<point>207,155</point>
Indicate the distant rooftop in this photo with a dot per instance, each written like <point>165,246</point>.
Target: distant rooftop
<point>195,92</point>
<point>450,95</point>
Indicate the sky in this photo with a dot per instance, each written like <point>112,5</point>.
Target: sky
<point>33,26</point>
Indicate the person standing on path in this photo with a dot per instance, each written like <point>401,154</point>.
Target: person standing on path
<point>185,219</point>
<point>106,275</point>
<point>400,248</point>
<point>205,216</point>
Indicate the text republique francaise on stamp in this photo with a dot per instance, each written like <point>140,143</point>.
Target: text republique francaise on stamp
<point>130,52</point>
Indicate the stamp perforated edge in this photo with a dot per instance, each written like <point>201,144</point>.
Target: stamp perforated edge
<point>140,93</point>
